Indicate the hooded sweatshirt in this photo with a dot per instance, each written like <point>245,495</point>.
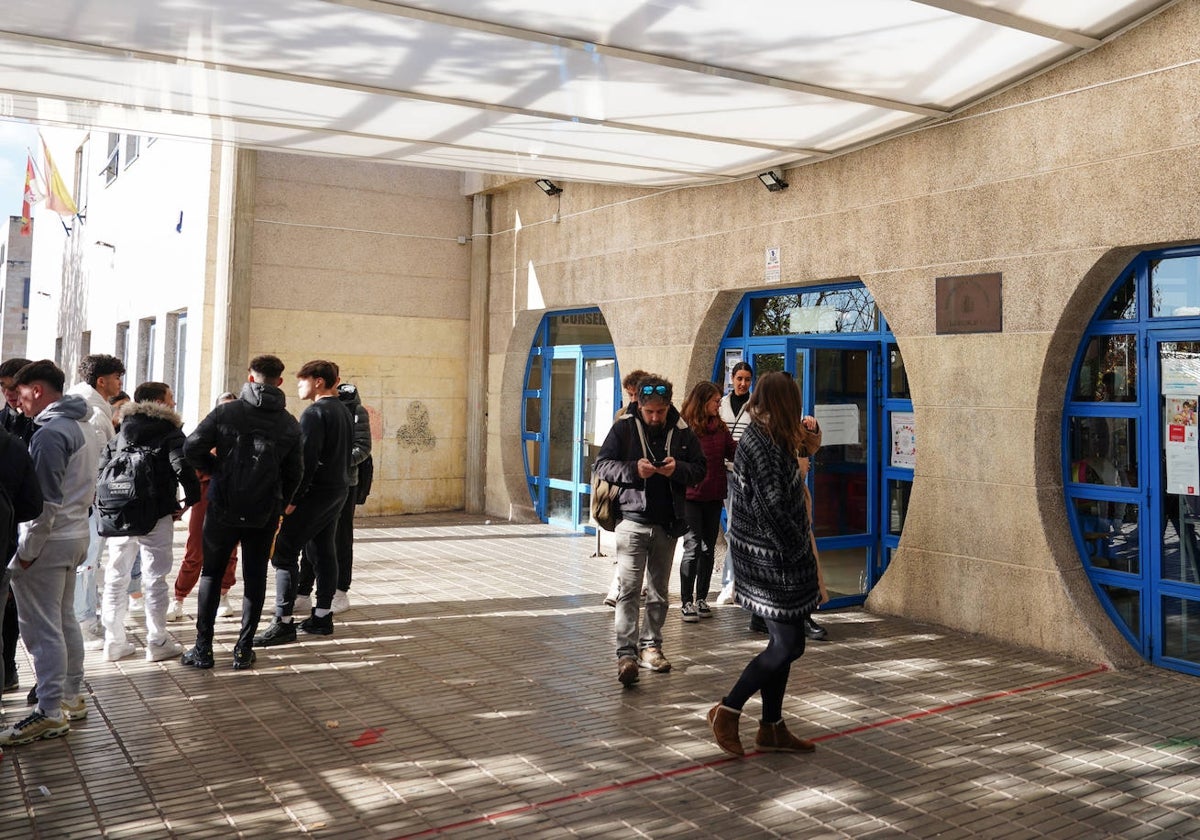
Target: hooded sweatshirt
<point>99,411</point>
<point>360,449</point>
<point>65,452</point>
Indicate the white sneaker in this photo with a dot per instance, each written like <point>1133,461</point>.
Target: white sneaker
<point>225,610</point>
<point>302,606</point>
<point>726,596</point>
<point>93,634</point>
<point>117,650</point>
<point>341,601</point>
<point>175,611</point>
<point>168,648</point>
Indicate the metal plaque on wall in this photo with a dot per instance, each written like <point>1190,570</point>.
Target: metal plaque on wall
<point>969,303</point>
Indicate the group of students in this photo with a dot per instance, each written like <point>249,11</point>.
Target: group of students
<point>75,477</point>
<point>671,468</point>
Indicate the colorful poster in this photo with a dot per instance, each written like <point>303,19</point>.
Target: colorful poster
<point>1180,445</point>
<point>904,440</point>
<point>732,357</point>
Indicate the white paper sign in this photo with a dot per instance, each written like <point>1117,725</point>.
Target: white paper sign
<point>772,271</point>
<point>904,440</point>
<point>839,424</point>
<point>1180,374</point>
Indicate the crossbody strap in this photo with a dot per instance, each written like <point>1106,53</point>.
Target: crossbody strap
<point>645,448</point>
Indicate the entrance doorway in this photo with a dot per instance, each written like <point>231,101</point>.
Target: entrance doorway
<point>834,343</point>
<point>572,392</point>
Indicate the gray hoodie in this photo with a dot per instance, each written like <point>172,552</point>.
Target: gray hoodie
<point>65,453</point>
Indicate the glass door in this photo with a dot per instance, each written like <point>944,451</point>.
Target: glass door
<point>840,384</point>
<point>1173,608</point>
<point>580,393</point>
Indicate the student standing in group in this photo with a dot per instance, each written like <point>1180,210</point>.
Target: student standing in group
<point>327,436</point>
<point>702,509</point>
<point>137,501</point>
<point>65,452</point>
<point>21,429</point>
<point>776,573</point>
<point>629,386</point>
<point>250,448</point>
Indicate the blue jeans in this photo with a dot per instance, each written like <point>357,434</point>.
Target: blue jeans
<point>642,550</point>
<point>87,600</point>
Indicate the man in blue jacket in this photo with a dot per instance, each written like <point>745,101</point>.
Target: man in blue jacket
<point>654,457</point>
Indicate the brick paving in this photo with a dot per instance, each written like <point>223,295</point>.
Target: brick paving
<point>471,692</point>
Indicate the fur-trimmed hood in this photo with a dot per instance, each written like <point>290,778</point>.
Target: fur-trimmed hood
<point>148,422</point>
<point>151,409</point>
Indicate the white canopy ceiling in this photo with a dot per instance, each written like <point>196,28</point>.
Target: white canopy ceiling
<point>646,92</point>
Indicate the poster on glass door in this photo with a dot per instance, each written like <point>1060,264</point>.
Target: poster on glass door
<point>904,440</point>
<point>1180,446</point>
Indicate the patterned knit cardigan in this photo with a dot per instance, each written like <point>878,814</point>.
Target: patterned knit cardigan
<point>774,571</point>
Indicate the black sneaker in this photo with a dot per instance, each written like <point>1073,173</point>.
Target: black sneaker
<point>200,656</point>
<point>277,633</point>
<point>243,658</point>
<point>315,626</point>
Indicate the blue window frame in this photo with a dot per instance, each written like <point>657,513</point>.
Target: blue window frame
<point>1135,372</point>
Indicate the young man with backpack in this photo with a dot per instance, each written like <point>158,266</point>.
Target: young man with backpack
<point>137,504</point>
<point>327,431</point>
<point>254,472</point>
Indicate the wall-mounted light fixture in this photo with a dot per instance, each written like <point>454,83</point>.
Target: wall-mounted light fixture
<point>773,180</point>
<point>547,186</point>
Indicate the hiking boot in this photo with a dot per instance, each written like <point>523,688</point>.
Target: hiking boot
<point>114,651</point>
<point>200,656</point>
<point>75,709</point>
<point>653,659</point>
<point>277,633</point>
<point>341,601</point>
<point>627,671</point>
<point>316,625</point>
<point>243,658</point>
<point>35,727</point>
<point>724,723</point>
<point>168,648</point>
<point>175,611</point>
<point>774,737</point>
<point>703,609</point>
<point>688,613</point>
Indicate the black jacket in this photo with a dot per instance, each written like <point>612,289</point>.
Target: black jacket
<point>259,408</point>
<point>616,463</point>
<point>16,423</point>
<point>360,450</point>
<point>24,489</point>
<point>326,438</point>
<point>154,425</point>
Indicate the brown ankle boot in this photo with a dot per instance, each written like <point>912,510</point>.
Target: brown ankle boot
<point>774,737</point>
<point>724,723</point>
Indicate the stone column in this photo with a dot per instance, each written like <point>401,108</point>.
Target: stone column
<point>477,356</point>
<point>231,302</point>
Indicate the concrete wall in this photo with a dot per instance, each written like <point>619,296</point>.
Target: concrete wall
<point>14,274</point>
<point>1054,183</point>
<point>361,263</point>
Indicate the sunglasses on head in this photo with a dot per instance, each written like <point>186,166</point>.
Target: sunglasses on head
<point>647,390</point>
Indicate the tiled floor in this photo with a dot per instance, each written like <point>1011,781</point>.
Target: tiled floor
<point>471,692</point>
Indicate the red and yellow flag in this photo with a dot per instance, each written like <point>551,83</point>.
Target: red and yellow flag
<point>58,197</point>
<point>28,199</point>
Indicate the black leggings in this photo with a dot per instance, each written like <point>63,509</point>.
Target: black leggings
<point>768,672</point>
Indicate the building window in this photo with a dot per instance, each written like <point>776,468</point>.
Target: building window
<point>122,343</point>
<point>175,356</point>
<point>111,166</point>
<point>85,343</point>
<point>132,149</point>
<point>58,345</point>
<point>147,333</point>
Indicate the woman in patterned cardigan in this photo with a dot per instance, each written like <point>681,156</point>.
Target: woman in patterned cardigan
<point>776,572</point>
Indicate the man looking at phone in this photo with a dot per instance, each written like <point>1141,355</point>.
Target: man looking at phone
<point>653,456</point>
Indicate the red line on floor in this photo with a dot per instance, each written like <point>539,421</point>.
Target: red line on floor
<point>694,768</point>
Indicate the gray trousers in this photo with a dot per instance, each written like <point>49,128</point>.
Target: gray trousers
<point>641,550</point>
<point>46,612</point>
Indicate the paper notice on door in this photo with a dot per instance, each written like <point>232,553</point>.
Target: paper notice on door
<point>839,424</point>
<point>1180,373</point>
<point>1180,446</point>
<point>904,440</point>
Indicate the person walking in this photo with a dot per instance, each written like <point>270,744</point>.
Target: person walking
<point>653,456</point>
<point>776,573</point>
<point>702,507</point>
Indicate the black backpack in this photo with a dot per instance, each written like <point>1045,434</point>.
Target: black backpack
<point>245,491</point>
<point>366,474</point>
<point>126,491</point>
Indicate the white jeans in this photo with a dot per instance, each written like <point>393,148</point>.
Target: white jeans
<point>157,560</point>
